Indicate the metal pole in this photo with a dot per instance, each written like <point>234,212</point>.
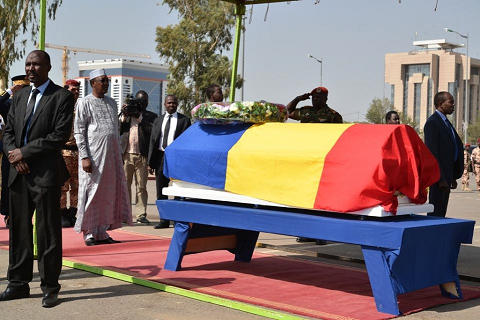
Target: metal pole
<point>243,58</point>
<point>239,12</point>
<point>467,98</point>
<point>321,66</point>
<point>41,46</point>
<point>43,22</point>
<point>321,72</point>
<point>466,106</point>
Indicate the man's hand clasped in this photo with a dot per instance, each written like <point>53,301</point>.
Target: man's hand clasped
<point>15,157</point>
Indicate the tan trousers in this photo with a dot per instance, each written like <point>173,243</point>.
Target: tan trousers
<point>136,165</point>
<point>476,169</point>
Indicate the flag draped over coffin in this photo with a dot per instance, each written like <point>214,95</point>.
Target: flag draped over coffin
<point>332,167</point>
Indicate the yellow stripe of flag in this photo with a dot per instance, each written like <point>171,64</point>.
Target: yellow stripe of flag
<point>284,161</point>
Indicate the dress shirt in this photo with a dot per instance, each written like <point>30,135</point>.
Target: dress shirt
<point>133,142</point>
<point>41,89</point>
<point>171,133</point>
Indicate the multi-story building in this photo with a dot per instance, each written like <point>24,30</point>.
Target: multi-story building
<point>128,77</point>
<point>416,76</point>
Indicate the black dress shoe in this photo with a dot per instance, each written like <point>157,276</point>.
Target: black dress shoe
<point>143,220</point>
<point>162,224</point>
<point>6,219</point>
<point>90,242</point>
<point>12,293</point>
<point>320,242</point>
<point>49,300</point>
<point>107,241</point>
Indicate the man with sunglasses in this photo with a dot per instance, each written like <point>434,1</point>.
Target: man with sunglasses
<point>103,201</point>
<point>445,144</point>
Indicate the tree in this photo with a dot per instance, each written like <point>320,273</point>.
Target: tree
<point>193,49</point>
<point>406,119</point>
<point>18,17</point>
<point>377,110</point>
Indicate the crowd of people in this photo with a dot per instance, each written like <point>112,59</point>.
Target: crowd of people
<point>73,161</point>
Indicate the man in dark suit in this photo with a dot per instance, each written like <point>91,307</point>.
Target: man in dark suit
<point>39,123</point>
<point>166,128</point>
<point>445,144</point>
<point>135,130</point>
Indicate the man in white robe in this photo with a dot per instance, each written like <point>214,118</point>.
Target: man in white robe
<point>103,201</point>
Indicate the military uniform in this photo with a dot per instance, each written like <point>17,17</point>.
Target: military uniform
<point>476,165</point>
<point>70,156</point>
<point>466,174</point>
<point>309,114</point>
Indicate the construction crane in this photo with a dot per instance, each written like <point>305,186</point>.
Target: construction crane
<point>67,50</point>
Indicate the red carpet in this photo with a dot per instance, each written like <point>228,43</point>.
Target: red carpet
<point>314,289</point>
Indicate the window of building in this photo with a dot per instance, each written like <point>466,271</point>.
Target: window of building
<point>429,97</point>
<point>417,97</point>
<point>392,94</point>
<point>410,70</point>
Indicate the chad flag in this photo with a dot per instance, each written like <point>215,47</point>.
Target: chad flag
<point>332,167</point>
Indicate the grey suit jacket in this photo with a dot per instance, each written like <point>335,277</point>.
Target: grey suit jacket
<point>154,154</point>
<point>50,128</point>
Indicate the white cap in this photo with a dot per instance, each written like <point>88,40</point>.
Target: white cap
<point>97,73</point>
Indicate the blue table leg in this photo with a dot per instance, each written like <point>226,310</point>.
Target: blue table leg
<point>177,247</point>
<point>379,273</point>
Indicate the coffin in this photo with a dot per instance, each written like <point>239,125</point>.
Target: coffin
<point>343,168</point>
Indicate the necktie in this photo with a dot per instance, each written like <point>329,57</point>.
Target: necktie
<point>452,130</point>
<point>166,132</point>
<point>29,112</point>
<point>31,104</point>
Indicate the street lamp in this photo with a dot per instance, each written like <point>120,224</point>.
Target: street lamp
<point>321,66</point>
<point>467,106</point>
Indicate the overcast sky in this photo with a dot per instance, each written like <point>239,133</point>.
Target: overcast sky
<point>351,37</point>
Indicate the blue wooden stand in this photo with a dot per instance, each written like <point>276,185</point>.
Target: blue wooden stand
<point>402,254</point>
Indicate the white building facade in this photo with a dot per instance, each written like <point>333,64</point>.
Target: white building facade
<point>416,76</point>
<point>127,77</point>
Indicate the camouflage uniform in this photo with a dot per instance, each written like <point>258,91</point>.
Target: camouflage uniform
<point>309,114</point>
<point>70,156</point>
<point>466,174</point>
<point>476,165</point>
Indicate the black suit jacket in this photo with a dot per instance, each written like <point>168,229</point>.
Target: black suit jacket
<point>154,154</point>
<point>144,132</point>
<point>439,139</point>
<point>4,105</point>
<point>50,128</point>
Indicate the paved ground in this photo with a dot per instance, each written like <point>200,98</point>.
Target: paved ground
<point>87,296</point>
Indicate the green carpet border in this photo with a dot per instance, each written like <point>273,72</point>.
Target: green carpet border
<point>241,306</point>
